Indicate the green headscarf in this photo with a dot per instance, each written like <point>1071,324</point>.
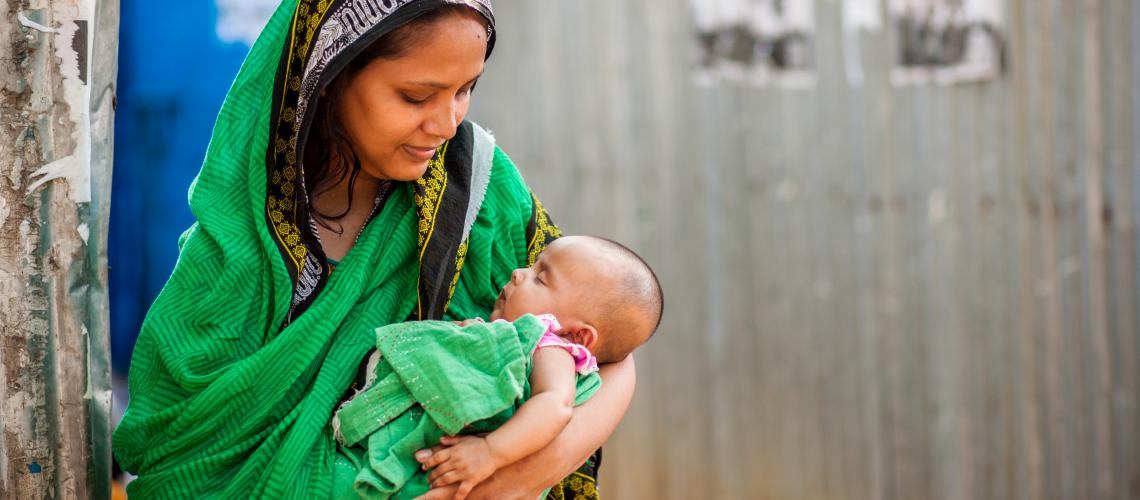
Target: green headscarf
<point>252,342</point>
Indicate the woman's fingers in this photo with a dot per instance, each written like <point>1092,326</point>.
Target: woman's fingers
<point>445,493</point>
<point>464,490</point>
<point>446,479</point>
<point>449,440</point>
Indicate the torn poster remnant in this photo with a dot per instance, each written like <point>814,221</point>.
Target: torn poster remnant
<point>75,168</point>
<point>948,41</point>
<point>765,42</point>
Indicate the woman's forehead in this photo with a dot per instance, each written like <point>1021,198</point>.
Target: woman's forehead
<point>453,51</point>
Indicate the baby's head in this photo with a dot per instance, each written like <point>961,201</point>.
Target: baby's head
<point>604,295</point>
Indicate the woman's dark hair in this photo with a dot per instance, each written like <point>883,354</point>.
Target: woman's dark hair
<point>328,155</point>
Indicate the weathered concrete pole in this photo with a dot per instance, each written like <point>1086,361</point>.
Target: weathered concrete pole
<point>57,94</point>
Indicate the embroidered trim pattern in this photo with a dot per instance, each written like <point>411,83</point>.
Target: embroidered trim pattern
<point>433,183</point>
<point>460,257</point>
<point>544,231</point>
<point>576,486</point>
<point>429,192</point>
<point>281,199</point>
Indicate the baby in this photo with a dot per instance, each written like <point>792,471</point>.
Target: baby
<point>587,300</point>
<point>601,301</point>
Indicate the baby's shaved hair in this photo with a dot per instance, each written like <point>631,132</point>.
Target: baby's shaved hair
<point>629,309</point>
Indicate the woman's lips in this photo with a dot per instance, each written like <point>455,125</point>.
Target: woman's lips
<point>418,153</point>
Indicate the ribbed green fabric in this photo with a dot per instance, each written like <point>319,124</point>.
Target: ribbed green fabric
<point>223,402</point>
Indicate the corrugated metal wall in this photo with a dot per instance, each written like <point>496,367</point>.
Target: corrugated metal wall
<point>873,291</point>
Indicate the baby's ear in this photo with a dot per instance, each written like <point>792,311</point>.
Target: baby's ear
<point>583,334</point>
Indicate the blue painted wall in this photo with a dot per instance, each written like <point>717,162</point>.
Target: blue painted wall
<point>174,72</point>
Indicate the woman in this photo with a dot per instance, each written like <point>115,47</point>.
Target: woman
<point>341,191</point>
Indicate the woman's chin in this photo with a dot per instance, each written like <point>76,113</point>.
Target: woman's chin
<point>414,171</point>
<point>395,169</point>
<point>408,172</point>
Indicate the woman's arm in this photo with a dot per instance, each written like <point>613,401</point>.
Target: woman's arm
<point>589,427</point>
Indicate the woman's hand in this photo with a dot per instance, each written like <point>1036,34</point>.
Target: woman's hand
<point>445,493</point>
<point>589,427</point>
<point>492,488</point>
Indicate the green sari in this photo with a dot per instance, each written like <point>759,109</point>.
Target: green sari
<point>253,341</point>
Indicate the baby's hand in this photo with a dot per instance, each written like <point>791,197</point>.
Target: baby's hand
<point>468,322</point>
<point>466,460</point>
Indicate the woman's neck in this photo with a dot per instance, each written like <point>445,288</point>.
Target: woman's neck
<point>340,234</point>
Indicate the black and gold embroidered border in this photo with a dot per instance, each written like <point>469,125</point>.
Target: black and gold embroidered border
<point>285,208</point>
<point>576,486</point>
<point>442,197</point>
<point>540,231</point>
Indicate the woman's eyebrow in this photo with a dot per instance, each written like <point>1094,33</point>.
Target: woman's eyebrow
<point>434,85</point>
<point>440,85</point>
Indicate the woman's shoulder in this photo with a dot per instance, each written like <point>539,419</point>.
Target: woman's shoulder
<point>506,187</point>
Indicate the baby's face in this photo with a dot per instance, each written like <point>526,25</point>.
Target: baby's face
<point>554,284</point>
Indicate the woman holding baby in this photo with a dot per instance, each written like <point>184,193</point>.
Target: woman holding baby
<point>342,190</point>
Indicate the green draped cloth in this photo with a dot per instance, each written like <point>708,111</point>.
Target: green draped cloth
<point>435,378</point>
<point>250,346</point>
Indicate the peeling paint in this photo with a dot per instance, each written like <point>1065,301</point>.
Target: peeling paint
<point>4,211</point>
<point>52,275</point>
<point>75,167</point>
<point>28,23</point>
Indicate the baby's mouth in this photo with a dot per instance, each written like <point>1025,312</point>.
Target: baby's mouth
<point>500,301</point>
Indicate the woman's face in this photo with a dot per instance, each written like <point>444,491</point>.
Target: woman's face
<point>397,112</point>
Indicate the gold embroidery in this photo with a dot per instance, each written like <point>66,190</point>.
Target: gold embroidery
<point>577,486</point>
<point>432,183</point>
<point>545,232</point>
<point>280,199</point>
<point>460,257</point>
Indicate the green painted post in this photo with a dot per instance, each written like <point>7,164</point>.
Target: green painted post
<point>57,76</point>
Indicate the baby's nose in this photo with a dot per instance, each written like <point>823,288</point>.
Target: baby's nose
<point>517,275</point>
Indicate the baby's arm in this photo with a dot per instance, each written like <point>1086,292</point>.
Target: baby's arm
<point>470,459</point>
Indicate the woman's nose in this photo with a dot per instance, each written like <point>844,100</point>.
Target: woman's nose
<point>444,120</point>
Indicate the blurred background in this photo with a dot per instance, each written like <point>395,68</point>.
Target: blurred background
<point>897,237</point>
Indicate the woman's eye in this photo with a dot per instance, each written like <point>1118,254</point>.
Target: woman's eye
<point>413,100</point>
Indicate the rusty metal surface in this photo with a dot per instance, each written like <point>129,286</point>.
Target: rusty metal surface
<point>57,70</point>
